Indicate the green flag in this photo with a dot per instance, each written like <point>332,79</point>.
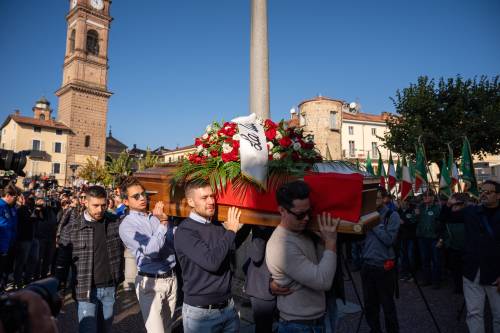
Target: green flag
<point>421,169</point>
<point>445,179</point>
<point>399,171</point>
<point>369,167</point>
<point>467,168</point>
<point>381,169</point>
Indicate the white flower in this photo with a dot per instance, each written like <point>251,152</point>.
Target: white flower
<point>236,137</point>
<point>209,128</point>
<point>205,136</point>
<point>276,156</point>
<point>296,146</point>
<point>309,139</point>
<point>205,152</point>
<point>298,131</point>
<point>199,149</point>
<point>278,135</point>
<point>226,148</point>
<point>259,120</point>
<point>270,145</point>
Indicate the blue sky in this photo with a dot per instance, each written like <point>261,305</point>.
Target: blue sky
<point>175,66</point>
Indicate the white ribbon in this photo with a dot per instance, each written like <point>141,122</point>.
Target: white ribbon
<point>253,149</point>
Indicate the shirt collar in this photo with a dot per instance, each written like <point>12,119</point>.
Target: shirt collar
<point>198,218</point>
<point>87,217</point>
<point>132,212</point>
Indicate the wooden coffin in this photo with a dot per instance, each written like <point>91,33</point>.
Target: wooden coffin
<point>157,182</point>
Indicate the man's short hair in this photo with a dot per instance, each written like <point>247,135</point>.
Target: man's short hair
<point>128,183</point>
<point>11,190</point>
<point>193,185</point>
<point>494,183</point>
<point>96,192</point>
<point>287,193</point>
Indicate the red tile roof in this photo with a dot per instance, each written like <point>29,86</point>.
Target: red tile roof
<point>37,122</point>
<point>377,118</point>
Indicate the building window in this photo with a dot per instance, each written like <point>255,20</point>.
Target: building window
<point>352,149</point>
<point>333,120</point>
<point>72,41</point>
<point>87,140</point>
<point>58,132</point>
<point>374,131</point>
<point>351,130</point>
<point>36,145</point>
<point>302,120</point>
<point>42,117</point>
<point>37,129</point>
<point>92,42</point>
<point>374,150</point>
<point>56,168</point>
<point>57,147</point>
<point>170,159</point>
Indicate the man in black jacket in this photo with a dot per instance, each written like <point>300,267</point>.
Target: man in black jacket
<point>91,242</point>
<point>481,265</point>
<point>203,249</point>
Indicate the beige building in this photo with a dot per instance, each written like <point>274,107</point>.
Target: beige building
<point>83,96</point>
<point>322,118</point>
<point>44,138</point>
<point>177,154</point>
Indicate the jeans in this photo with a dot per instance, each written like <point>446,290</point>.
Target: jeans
<point>431,260</point>
<point>475,294</point>
<point>263,313</point>
<point>198,320</point>
<point>378,290</point>
<point>356,251</point>
<point>96,315</point>
<point>407,257</point>
<point>331,315</point>
<point>291,327</point>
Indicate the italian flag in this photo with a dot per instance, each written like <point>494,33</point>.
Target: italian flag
<point>452,167</point>
<point>406,182</point>
<point>445,180</point>
<point>391,173</point>
<point>421,169</point>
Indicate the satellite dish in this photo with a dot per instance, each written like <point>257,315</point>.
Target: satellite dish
<point>352,105</point>
<point>292,111</point>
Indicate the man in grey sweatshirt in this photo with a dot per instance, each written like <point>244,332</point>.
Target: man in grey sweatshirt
<point>378,272</point>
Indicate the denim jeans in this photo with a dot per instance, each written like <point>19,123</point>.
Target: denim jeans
<point>431,260</point>
<point>97,315</point>
<point>290,327</point>
<point>198,320</point>
<point>407,257</point>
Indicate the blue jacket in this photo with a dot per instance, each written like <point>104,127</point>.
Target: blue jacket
<point>8,224</point>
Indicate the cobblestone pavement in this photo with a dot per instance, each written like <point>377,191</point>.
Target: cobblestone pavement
<point>412,313</point>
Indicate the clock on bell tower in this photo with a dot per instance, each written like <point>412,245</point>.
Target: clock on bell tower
<point>83,96</point>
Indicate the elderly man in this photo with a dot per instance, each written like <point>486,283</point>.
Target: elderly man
<point>296,262</point>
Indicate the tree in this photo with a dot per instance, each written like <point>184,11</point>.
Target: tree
<point>149,161</point>
<point>119,167</point>
<point>446,112</point>
<point>94,172</point>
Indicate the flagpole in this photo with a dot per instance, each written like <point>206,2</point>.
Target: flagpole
<point>426,163</point>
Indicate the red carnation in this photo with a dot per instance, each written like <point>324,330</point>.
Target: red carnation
<point>270,124</point>
<point>197,142</point>
<point>285,141</point>
<point>214,153</point>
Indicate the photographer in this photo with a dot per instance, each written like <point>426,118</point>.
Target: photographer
<point>8,224</point>
<point>407,237</point>
<point>46,234</point>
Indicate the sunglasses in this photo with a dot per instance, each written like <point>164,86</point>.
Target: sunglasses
<point>301,215</point>
<point>82,196</point>
<point>138,195</point>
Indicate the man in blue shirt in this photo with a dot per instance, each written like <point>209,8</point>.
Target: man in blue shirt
<point>150,238</point>
<point>8,222</point>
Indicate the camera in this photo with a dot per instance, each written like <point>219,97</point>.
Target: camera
<point>14,313</point>
<point>10,161</point>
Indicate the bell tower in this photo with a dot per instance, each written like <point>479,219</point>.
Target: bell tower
<point>83,96</point>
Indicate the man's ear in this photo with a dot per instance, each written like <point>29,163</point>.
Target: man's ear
<point>190,202</point>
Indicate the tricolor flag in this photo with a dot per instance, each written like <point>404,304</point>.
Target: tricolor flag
<point>381,169</point>
<point>445,180</point>
<point>391,172</point>
<point>421,169</point>
<point>369,167</point>
<point>405,181</point>
<point>452,167</point>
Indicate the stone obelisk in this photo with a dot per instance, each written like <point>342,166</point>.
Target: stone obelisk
<point>259,61</point>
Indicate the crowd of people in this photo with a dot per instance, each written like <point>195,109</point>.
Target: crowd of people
<point>293,275</point>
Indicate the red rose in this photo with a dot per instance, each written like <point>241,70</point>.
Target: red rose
<point>285,141</point>
<point>270,124</point>
<point>236,145</point>
<point>197,142</point>
<point>271,134</point>
<point>214,153</point>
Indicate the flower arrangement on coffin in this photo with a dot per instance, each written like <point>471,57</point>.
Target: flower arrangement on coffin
<point>217,157</point>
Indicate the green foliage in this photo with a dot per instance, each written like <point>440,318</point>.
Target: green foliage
<point>94,172</point>
<point>119,167</point>
<point>149,161</point>
<point>445,111</point>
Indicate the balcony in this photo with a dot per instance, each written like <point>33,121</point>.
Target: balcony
<point>40,155</point>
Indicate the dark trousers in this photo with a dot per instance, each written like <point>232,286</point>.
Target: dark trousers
<point>46,255</point>
<point>378,290</point>
<point>455,265</point>
<point>407,255</point>
<point>431,260</point>
<point>263,313</point>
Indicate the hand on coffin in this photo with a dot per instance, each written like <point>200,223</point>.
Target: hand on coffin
<point>328,230</point>
<point>276,289</point>
<point>233,219</point>
<point>158,212</point>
